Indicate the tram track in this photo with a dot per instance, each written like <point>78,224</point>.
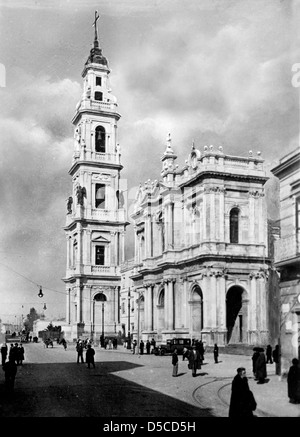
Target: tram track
<point>200,398</point>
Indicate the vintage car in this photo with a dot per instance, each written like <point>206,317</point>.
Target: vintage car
<point>175,343</point>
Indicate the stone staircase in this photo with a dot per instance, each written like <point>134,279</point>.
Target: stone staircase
<point>233,349</point>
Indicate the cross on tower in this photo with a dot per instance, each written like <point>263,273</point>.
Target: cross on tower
<point>97,16</point>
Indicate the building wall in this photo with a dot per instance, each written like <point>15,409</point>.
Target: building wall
<point>287,258</point>
<point>189,271</point>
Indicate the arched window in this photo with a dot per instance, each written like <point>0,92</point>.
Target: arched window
<point>100,139</point>
<point>100,297</point>
<point>234,225</point>
<point>161,299</point>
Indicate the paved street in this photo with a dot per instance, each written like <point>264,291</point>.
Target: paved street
<point>52,384</point>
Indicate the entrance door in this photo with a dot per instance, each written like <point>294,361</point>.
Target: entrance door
<point>234,318</point>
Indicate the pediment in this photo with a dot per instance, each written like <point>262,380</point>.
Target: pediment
<point>100,239</point>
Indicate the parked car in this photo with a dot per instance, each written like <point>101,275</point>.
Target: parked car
<point>172,344</point>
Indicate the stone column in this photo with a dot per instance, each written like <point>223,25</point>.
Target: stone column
<point>213,300</point>
<point>122,247</point>
<point>253,303</point>
<point>166,309</point>
<point>68,251</point>
<point>68,307</point>
<point>206,297</point>
<point>251,219</point>
<point>136,245</point>
<point>79,248</point>
<point>212,229</point>
<point>146,306</point>
<point>222,214</point>
<point>204,209</point>
<point>221,301</point>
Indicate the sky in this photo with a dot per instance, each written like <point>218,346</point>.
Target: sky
<point>210,71</point>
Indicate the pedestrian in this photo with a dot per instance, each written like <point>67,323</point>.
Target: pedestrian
<point>64,343</point>
<point>79,349</point>
<point>175,362</point>
<point>10,370</point>
<point>20,355</point>
<point>242,402</point>
<point>261,367</point>
<point>216,353</point>
<point>276,359</point>
<point>134,344</point>
<point>269,354</point>
<point>148,346</point>
<point>293,381</point>
<point>254,359</point>
<point>153,344</point>
<point>185,353</point>
<point>142,344</point>
<point>15,352</point>
<point>200,347</point>
<point>11,350</point>
<point>109,344</point>
<point>105,343</point>
<point>4,352</point>
<point>195,360</point>
<point>115,343</point>
<point>89,356</point>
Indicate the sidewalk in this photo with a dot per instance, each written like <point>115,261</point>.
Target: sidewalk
<point>212,387</point>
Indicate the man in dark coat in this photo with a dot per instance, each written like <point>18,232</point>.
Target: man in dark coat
<point>276,359</point>
<point>293,381</point>
<point>254,359</point>
<point>269,354</point>
<point>175,362</point>
<point>195,360</point>
<point>148,346</point>
<point>142,344</point>
<point>10,369</point>
<point>89,357</point>
<point>261,367</point>
<point>216,353</point>
<point>4,353</point>
<point>242,402</point>
<point>153,344</point>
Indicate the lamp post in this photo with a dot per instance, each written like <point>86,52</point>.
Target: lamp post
<point>138,323</point>
<point>128,332</point>
<point>103,319</point>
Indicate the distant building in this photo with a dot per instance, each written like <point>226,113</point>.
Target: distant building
<point>287,256</point>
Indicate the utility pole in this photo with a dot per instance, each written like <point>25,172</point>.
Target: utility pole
<point>128,329</point>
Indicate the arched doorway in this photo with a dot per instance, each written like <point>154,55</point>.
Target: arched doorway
<point>196,311</point>
<point>236,315</point>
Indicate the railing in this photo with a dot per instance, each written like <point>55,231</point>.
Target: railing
<point>286,248</point>
<point>103,269</point>
<point>105,156</point>
<point>97,105</point>
<point>97,214</point>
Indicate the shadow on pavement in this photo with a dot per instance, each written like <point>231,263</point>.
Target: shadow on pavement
<point>73,390</point>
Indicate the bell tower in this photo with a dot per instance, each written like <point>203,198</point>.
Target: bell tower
<point>96,211</point>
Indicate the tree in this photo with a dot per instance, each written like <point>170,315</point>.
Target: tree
<point>31,317</point>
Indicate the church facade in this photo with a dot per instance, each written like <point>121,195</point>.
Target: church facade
<point>201,267</point>
<point>95,220</point>
<point>201,264</point>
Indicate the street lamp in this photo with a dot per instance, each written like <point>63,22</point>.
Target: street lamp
<point>128,333</point>
<point>40,294</point>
